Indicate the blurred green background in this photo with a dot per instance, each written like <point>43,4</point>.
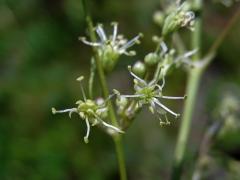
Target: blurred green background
<point>40,58</point>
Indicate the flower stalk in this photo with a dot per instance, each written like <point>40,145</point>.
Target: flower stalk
<point>117,138</point>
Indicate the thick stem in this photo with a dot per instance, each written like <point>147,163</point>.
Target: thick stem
<point>192,87</point>
<point>117,138</point>
<point>194,77</point>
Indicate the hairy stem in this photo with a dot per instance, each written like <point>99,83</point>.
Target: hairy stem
<point>117,138</point>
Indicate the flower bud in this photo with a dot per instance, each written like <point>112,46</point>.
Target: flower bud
<point>139,69</point>
<point>181,17</point>
<point>151,59</point>
<point>158,18</point>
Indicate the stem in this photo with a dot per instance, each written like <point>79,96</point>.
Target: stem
<point>192,87</point>
<point>194,77</point>
<point>117,138</point>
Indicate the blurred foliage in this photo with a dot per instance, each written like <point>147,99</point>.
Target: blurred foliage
<point>40,58</point>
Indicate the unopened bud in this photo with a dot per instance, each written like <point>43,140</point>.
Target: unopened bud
<point>158,18</point>
<point>139,69</point>
<point>151,59</point>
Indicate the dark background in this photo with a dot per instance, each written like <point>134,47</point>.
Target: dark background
<point>40,58</point>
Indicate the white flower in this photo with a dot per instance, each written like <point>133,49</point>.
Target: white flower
<point>150,93</point>
<point>92,112</point>
<point>111,47</point>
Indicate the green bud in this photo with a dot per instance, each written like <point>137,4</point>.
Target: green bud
<point>139,69</point>
<point>181,17</point>
<point>158,18</point>
<point>171,24</point>
<point>151,59</point>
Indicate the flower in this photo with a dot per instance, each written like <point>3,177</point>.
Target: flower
<point>110,48</point>
<point>150,93</point>
<point>91,111</point>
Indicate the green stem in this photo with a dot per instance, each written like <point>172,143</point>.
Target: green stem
<point>192,87</point>
<point>194,77</point>
<point>117,138</point>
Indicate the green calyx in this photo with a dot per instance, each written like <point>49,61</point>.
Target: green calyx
<point>109,58</point>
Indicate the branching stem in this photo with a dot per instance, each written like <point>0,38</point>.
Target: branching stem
<point>194,77</point>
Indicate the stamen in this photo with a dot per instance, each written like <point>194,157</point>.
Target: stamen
<point>111,96</point>
<point>83,93</point>
<point>88,131</point>
<point>163,82</point>
<point>95,122</point>
<point>54,111</point>
<point>136,77</point>
<point>166,118</point>
<point>132,96</point>
<point>130,43</point>
<point>164,47</point>
<point>190,53</point>
<point>153,106</point>
<point>165,108</point>
<point>110,126</point>
<point>130,53</point>
<point>185,57</point>
<point>161,123</point>
<point>115,29</point>
<point>101,33</point>
<point>83,39</point>
<point>101,110</point>
<point>172,97</point>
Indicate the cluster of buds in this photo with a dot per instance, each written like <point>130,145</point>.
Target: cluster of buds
<point>151,92</point>
<point>110,48</point>
<point>163,57</point>
<point>92,112</point>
